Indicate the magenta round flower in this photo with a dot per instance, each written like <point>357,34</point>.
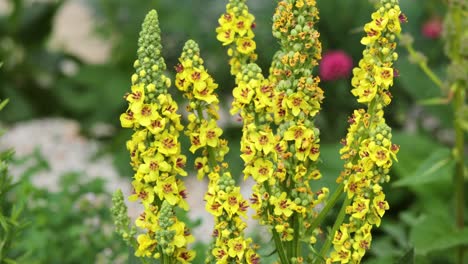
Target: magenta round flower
<point>432,28</point>
<point>335,65</point>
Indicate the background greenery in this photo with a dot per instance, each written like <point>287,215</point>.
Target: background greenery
<point>420,221</point>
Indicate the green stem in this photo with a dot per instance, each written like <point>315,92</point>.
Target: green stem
<point>423,65</point>
<point>279,244</point>
<point>458,105</point>
<point>331,203</point>
<point>297,228</point>
<point>338,222</point>
<point>459,179</point>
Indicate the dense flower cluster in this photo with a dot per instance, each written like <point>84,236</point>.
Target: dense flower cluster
<point>368,151</point>
<point>223,199</point>
<point>155,152</point>
<point>235,31</point>
<point>298,99</point>
<point>280,143</point>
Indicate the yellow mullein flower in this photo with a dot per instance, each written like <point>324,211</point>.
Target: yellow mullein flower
<point>361,245</point>
<point>225,35</point>
<point>143,192</point>
<point>157,125</point>
<point>248,152</point>
<point>178,164</point>
<point>145,114</point>
<point>243,25</point>
<point>263,141</point>
<point>145,245</point>
<point>201,165</point>
<point>231,204</point>
<point>205,93</point>
<point>246,45</point>
<point>227,19</point>
<point>252,257</point>
<point>360,208</point>
<point>152,166</point>
<point>341,236</point>
<point>167,190</point>
<point>220,254</point>
<point>210,133</point>
<point>380,155</point>
<point>380,205</point>
<point>384,76</point>
<point>168,145</point>
<point>243,93</point>
<point>195,142</point>
<point>137,96</point>
<point>297,103</point>
<point>184,256</point>
<point>283,205</point>
<point>261,171</point>
<point>340,254</point>
<point>127,119</point>
<point>236,247</point>
<point>179,234</point>
<point>298,133</point>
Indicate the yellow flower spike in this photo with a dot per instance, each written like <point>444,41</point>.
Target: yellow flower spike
<point>235,31</point>
<point>155,151</point>
<point>223,199</point>
<point>368,151</point>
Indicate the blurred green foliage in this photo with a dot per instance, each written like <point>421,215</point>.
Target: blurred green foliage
<point>419,227</point>
<point>71,225</point>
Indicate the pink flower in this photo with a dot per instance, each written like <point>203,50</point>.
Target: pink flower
<point>432,28</point>
<point>335,65</point>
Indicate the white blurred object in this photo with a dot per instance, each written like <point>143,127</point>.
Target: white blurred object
<point>73,32</point>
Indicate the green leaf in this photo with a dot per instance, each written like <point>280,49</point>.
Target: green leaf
<point>437,167</point>
<point>4,103</point>
<point>421,88</point>
<point>435,233</point>
<point>396,231</point>
<point>414,148</point>
<point>462,118</point>
<point>408,258</point>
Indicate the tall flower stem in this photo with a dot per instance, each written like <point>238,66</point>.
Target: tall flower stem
<point>459,179</point>
<point>339,220</point>
<point>330,204</point>
<point>276,237</point>
<point>422,63</point>
<point>454,41</point>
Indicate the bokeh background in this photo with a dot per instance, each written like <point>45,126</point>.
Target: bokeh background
<point>67,65</point>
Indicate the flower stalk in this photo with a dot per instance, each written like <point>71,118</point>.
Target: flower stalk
<point>368,151</point>
<point>155,154</point>
<point>223,198</point>
<point>456,33</point>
